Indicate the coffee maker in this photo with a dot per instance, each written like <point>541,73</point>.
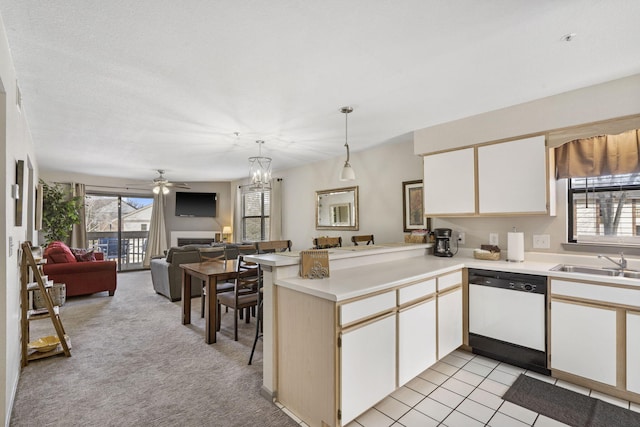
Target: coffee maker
<point>443,236</point>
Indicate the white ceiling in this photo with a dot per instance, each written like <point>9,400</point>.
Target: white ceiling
<point>121,88</point>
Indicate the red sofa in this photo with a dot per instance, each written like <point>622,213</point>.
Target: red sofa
<point>83,273</point>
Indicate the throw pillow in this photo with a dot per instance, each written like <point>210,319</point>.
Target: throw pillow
<point>83,255</point>
<point>58,252</point>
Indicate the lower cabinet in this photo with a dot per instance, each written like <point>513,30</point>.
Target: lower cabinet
<point>367,366</point>
<point>633,351</point>
<point>583,341</point>
<point>335,360</point>
<point>416,340</point>
<point>449,321</point>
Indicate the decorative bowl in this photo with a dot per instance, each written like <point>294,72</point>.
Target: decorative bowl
<point>44,344</point>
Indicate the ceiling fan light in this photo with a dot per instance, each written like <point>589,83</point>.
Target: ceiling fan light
<point>163,188</point>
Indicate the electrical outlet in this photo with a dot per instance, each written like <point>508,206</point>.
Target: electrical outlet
<point>541,241</point>
<point>461,237</point>
<point>493,239</point>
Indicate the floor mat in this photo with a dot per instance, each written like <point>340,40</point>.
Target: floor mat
<point>567,406</point>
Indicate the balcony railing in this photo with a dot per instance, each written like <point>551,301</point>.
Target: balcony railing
<point>130,253</point>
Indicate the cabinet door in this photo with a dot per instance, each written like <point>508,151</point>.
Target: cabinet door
<point>633,351</point>
<point>449,322</point>
<point>416,340</point>
<point>512,177</point>
<point>368,366</point>
<point>583,341</point>
<point>449,183</point>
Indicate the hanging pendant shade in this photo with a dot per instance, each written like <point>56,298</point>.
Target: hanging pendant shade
<point>347,173</point>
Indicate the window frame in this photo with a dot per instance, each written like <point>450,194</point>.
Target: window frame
<point>264,232</point>
<point>571,191</point>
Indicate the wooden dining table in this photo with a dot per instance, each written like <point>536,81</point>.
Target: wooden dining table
<point>210,272</point>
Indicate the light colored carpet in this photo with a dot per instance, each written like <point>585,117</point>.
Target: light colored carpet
<point>134,364</point>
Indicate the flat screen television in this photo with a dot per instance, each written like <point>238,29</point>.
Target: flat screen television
<point>196,204</point>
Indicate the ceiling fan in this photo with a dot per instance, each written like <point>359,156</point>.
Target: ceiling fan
<point>160,183</point>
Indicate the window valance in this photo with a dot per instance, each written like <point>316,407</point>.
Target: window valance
<point>599,155</point>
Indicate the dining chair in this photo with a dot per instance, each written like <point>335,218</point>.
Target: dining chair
<point>363,238</point>
<point>245,292</point>
<point>259,322</point>
<point>327,242</point>
<point>271,246</point>
<point>233,251</point>
<point>220,287</point>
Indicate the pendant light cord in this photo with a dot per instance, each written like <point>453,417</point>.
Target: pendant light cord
<point>346,111</point>
<point>346,132</point>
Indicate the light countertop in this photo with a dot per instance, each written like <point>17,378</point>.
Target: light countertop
<point>360,280</point>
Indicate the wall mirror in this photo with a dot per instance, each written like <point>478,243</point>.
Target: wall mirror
<point>337,209</point>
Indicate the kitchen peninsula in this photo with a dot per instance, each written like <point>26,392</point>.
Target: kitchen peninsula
<point>335,347</point>
<point>330,345</point>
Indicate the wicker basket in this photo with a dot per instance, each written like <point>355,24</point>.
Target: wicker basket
<point>489,256</point>
<point>408,238</point>
<point>58,295</point>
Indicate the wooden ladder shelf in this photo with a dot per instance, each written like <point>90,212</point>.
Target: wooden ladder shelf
<point>30,267</point>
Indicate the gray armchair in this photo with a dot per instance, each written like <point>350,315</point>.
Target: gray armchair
<point>166,274</point>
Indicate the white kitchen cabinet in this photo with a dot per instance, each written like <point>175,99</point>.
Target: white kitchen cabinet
<point>449,321</point>
<point>368,366</point>
<point>416,340</point>
<point>512,176</point>
<point>339,358</point>
<point>633,351</point>
<point>583,341</point>
<point>449,183</point>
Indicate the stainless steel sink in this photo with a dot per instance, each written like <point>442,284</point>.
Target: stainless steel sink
<point>600,271</point>
<point>632,274</point>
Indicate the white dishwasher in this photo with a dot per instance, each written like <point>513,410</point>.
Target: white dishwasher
<point>507,318</point>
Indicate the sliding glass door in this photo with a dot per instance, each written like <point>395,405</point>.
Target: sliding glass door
<point>119,226</point>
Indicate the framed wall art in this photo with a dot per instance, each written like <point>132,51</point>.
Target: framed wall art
<point>413,206</point>
<point>18,192</point>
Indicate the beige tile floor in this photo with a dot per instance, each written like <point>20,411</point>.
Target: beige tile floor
<point>464,390</point>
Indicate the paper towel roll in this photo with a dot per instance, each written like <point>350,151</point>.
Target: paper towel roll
<point>515,246</point>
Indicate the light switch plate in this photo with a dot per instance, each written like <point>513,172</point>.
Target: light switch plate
<point>541,241</point>
<point>493,239</point>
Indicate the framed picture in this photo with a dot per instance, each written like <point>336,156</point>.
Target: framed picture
<point>413,207</point>
<point>19,194</point>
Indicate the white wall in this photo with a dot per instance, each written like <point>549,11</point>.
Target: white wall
<point>379,176</point>
<point>173,223</point>
<point>617,98</point>
<point>16,143</point>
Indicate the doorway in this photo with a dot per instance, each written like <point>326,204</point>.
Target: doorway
<point>119,226</point>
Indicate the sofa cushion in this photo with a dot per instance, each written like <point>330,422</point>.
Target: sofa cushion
<point>58,253</point>
<point>185,248</point>
<point>172,250</point>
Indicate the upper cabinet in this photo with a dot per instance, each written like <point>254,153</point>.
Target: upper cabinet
<point>494,179</point>
<point>450,183</point>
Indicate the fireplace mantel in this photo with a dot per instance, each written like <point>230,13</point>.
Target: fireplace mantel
<point>175,235</point>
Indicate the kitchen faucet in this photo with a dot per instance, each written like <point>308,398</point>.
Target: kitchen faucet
<point>622,264</point>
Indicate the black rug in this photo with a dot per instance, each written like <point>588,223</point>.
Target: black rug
<point>568,406</point>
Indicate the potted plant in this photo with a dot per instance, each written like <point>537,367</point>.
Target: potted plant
<point>60,212</point>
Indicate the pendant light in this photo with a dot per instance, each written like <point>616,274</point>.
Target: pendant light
<point>260,169</point>
<point>347,173</point>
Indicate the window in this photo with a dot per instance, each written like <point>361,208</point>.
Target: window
<point>604,209</point>
<point>255,215</point>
